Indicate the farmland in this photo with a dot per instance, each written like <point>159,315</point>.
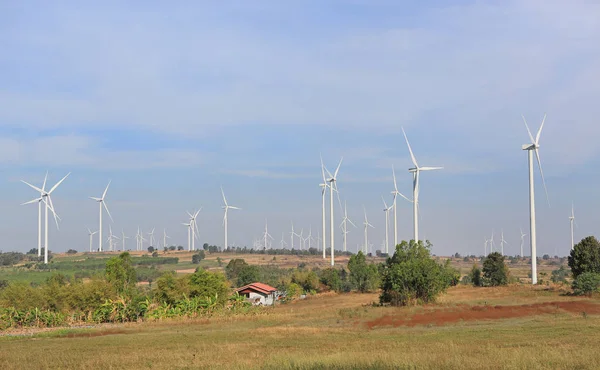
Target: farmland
<point>484,328</point>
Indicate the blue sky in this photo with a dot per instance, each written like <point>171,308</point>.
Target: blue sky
<point>171,102</point>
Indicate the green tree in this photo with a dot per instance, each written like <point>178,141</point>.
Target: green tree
<point>170,288</point>
<point>475,275</point>
<point>247,274</point>
<point>196,258</point>
<point>120,273</point>
<point>363,276</point>
<point>495,271</point>
<point>150,249</point>
<point>585,257</point>
<point>203,284</point>
<point>308,280</point>
<point>412,276</point>
<point>234,267</point>
<point>330,277</point>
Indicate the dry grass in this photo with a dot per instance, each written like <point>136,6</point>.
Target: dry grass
<point>332,331</point>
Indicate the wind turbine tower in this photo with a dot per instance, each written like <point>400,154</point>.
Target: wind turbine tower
<point>532,148</point>
<point>226,207</point>
<point>572,221</point>
<point>367,225</point>
<point>387,210</point>
<point>102,203</point>
<point>332,187</point>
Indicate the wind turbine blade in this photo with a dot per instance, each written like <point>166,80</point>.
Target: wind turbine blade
<point>233,207</point>
<point>58,183</point>
<point>537,137</point>
<point>384,203</point>
<point>528,131</point>
<point>394,176</point>
<point>105,190</point>
<point>431,168</point>
<point>107,211</point>
<point>50,206</point>
<point>33,201</point>
<point>338,168</point>
<point>537,156</point>
<point>223,194</point>
<point>412,156</point>
<point>323,169</point>
<point>351,223</point>
<point>196,231</point>
<point>33,186</point>
<point>197,212</point>
<point>89,231</point>
<point>45,180</point>
<point>96,199</point>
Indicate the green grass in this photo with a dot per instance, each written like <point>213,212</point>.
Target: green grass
<point>327,332</point>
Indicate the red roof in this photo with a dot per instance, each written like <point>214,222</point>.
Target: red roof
<point>259,287</point>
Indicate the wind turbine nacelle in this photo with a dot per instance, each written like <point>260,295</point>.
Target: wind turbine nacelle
<point>528,146</point>
<point>412,169</point>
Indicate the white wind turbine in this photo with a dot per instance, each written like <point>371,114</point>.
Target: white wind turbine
<point>46,197</point>
<point>194,227</point>
<point>502,242</point>
<point>142,239</point>
<point>123,237</point>
<point>531,148</point>
<point>102,203</point>
<point>301,239</point>
<point>485,247</point>
<point>309,237</point>
<point>39,202</point>
<point>151,237</point>
<point>344,226</point>
<point>367,225</point>
<point>492,242</point>
<point>395,192</point>
<point>292,234</point>
<point>226,207</point>
<point>165,237</point>
<point>323,186</point>
<point>332,180</point>
<point>111,239</point>
<point>90,233</point>
<point>282,243</point>
<point>387,210</point>
<point>416,171</point>
<point>522,241</point>
<point>572,221</point>
<point>266,235</point>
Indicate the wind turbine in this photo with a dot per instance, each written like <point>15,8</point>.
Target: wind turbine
<point>90,233</point>
<point>45,196</point>
<point>323,186</point>
<point>309,237</point>
<point>267,235</point>
<point>332,180</point>
<point>344,226</point>
<point>111,238</point>
<point>522,240</point>
<point>387,210</point>
<point>123,239</point>
<point>165,237</point>
<point>102,203</point>
<point>151,239</point>
<point>226,207</point>
<point>395,192</point>
<point>282,242</point>
<point>531,148</point>
<point>572,220</point>
<point>367,225</point>
<point>485,247</point>
<point>39,202</point>
<point>300,238</point>
<point>142,239</point>
<point>492,242</point>
<point>292,234</point>
<point>416,170</point>
<point>194,227</point>
<point>502,242</point>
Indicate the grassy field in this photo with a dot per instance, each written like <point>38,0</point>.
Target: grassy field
<point>515,327</point>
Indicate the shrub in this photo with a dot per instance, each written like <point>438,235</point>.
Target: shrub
<point>586,283</point>
<point>308,280</point>
<point>120,273</point>
<point>585,257</point>
<point>71,251</point>
<point>150,249</point>
<point>364,277</point>
<point>475,276</point>
<point>560,275</point>
<point>196,258</point>
<point>208,284</point>
<point>411,276</point>
<point>495,271</point>
<point>179,248</point>
<point>330,277</point>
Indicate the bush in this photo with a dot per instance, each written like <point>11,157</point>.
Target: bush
<point>179,248</point>
<point>120,273</point>
<point>196,258</point>
<point>495,271</point>
<point>586,283</point>
<point>150,249</point>
<point>330,277</point>
<point>364,277</point>
<point>208,284</point>
<point>560,275</point>
<point>308,280</point>
<point>585,257</point>
<point>411,276</point>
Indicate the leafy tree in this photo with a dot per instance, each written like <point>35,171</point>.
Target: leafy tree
<point>196,258</point>
<point>234,267</point>
<point>475,275</point>
<point>208,284</point>
<point>32,251</point>
<point>308,280</point>
<point>205,246</point>
<point>495,271</point>
<point>331,278</point>
<point>546,257</point>
<point>412,276</point>
<point>71,251</point>
<point>587,283</point>
<point>120,273</point>
<point>585,257</point>
<point>363,276</point>
<point>219,261</point>
<point>247,275</point>
<point>172,248</point>
<point>179,248</point>
<point>150,249</point>
<point>170,288</point>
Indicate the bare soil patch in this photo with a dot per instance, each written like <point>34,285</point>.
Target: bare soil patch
<point>474,313</point>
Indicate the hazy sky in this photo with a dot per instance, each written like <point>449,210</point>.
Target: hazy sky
<point>170,101</point>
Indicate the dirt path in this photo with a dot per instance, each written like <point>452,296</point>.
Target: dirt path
<point>474,313</point>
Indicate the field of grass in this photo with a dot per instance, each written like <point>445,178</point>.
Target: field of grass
<point>515,327</point>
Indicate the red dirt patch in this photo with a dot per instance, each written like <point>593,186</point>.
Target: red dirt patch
<point>473,313</point>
